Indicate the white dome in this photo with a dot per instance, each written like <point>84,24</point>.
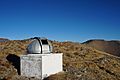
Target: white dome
<point>39,46</point>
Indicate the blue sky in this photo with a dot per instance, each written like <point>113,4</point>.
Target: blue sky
<point>73,20</point>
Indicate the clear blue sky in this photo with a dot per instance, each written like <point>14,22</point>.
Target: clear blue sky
<point>73,20</point>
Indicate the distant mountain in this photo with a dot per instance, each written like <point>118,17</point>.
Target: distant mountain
<point>112,47</point>
<point>3,39</point>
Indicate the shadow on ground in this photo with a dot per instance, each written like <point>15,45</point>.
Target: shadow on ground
<point>15,60</point>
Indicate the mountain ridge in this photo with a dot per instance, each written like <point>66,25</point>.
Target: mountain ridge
<point>3,39</point>
<point>111,47</point>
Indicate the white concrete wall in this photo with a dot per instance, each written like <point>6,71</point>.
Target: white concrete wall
<point>31,66</point>
<point>41,65</point>
<point>51,64</point>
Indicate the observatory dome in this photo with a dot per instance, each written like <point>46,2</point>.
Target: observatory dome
<point>39,46</point>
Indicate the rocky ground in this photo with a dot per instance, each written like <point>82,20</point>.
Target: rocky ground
<point>80,62</point>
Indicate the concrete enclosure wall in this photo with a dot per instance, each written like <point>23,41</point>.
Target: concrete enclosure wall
<point>41,65</point>
<point>51,64</point>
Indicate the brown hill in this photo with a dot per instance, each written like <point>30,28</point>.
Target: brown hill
<point>79,62</point>
<point>3,39</point>
<point>112,47</point>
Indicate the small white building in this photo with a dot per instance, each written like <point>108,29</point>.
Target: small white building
<point>40,62</point>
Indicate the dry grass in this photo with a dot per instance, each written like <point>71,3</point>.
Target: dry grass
<point>13,47</point>
<point>79,61</point>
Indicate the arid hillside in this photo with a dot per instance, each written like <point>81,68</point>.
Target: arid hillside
<point>3,39</point>
<point>79,62</point>
<point>112,47</point>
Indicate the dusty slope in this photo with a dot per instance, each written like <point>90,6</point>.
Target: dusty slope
<point>13,47</point>
<point>112,47</point>
<point>80,62</point>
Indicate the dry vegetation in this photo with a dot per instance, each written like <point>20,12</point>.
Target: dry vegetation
<point>13,47</point>
<point>79,62</point>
